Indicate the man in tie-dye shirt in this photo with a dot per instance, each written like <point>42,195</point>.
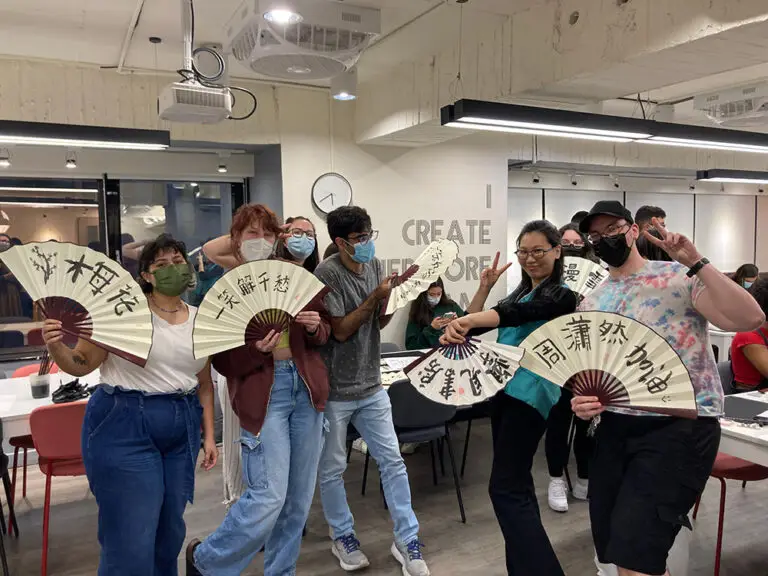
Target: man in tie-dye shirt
<point>648,470</point>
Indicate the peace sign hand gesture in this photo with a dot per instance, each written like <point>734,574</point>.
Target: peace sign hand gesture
<point>490,276</point>
<point>676,245</point>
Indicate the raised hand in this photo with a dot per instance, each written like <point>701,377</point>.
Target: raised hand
<point>490,276</point>
<point>52,332</point>
<point>586,407</point>
<point>679,248</point>
<point>268,343</point>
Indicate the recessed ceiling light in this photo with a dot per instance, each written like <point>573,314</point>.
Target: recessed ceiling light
<point>5,158</point>
<point>344,96</point>
<point>283,17</point>
<point>71,160</point>
<point>222,168</point>
<point>299,69</point>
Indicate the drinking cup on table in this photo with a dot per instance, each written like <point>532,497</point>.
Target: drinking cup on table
<point>40,385</point>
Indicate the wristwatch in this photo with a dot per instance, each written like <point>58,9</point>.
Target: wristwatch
<point>697,267</point>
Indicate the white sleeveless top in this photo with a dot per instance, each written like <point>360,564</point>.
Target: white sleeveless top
<point>171,366</point>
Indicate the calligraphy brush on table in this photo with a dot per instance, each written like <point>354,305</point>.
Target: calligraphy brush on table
<point>45,364</point>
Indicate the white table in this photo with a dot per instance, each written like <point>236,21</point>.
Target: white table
<point>750,444</point>
<point>16,402</point>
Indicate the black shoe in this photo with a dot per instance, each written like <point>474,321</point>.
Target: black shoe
<point>191,569</point>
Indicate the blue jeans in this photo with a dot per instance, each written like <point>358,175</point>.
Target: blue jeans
<point>140,453</point>
<point>372,417</point>
<point>280,471</point>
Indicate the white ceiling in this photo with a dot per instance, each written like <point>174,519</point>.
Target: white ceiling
<point>93,31</point>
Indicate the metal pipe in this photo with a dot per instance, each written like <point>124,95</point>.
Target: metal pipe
<point>187,25</point>
<point>129,35</point>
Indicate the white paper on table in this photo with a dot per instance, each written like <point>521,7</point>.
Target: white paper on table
<point>755,395</point>
<point>389,378</point>
<point>399,363</point>
<point>762,415</point>
<point>7,401</point>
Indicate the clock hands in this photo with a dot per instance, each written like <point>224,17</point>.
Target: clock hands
<point>331,195</point>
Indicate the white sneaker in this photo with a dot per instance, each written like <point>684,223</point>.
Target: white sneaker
<point>408,448</point>
<point>580,489</point>
<point>360,446</point>
<point>557,495</point>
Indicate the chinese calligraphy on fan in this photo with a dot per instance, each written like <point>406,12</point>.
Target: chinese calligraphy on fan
<point>572,272</point>
<point>491,364</point>
<point>248,285</point>
<point>579,335</point>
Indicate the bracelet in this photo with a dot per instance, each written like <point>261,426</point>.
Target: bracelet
<point>697,267</point>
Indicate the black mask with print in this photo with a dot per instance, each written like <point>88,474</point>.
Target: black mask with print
<point>575,251</point>
<point>613,250</point>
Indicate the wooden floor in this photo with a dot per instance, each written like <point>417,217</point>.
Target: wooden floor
<point>451,548</point>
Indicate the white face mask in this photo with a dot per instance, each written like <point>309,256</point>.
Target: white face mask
<point>433,300</point>
<point>256,249</point>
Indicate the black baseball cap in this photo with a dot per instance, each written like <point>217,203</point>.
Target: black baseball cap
<point>606,208</point>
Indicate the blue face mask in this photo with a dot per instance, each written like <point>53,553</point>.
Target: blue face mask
<point>364,252</point>
<point>748,285</point>
<point>300,247</point>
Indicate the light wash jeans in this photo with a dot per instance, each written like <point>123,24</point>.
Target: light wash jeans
<point>372,417</point>
<point>279,471</point>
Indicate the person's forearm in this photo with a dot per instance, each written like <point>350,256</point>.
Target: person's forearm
<point>478,300</point>
<point>345,327</point>
<point>385,320</point>
<point>70,361</point>
<point>219,251</point>
<point>488,319</point>
<point>205,395</point>
<point>736,309</point>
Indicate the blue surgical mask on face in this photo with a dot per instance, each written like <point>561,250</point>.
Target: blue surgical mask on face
<point>364,253</point>
<point>748,285</point>
<point>300,247</point>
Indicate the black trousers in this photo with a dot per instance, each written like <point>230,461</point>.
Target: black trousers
<point>517,429</point>
<point>556,442</point>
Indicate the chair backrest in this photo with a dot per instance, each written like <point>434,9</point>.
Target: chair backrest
<point>11,339</point>
<point>56,430</point>
<point>725,371</point>
<point>388,347</point>
<point>410,409</point>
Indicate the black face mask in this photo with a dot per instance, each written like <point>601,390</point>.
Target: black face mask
<point>574,251</point>
<point>614,250</point>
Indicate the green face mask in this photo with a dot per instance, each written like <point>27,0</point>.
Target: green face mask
<point>172,280</point>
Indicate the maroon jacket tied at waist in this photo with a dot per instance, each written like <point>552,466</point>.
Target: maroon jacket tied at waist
<point>250,373</point>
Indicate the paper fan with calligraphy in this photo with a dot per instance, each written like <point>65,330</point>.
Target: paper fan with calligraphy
<point>249,301</point>
<point>431,264</point>
<point>582,275</point>
<point>94,297</point>
<point>621,361</point>
<point>464,374</point>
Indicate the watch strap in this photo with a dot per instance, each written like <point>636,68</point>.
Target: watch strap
<point>697,267</point>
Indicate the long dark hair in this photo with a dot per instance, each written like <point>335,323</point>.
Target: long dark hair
<point>745,271</point>
<point>312,260</point>
<point>421,311</point>
<point>555,280</point>
<point>588,252</point>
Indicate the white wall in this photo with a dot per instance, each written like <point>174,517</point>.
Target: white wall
<point>679,208</point>
<point>41,224</point>
<point>725,230</point>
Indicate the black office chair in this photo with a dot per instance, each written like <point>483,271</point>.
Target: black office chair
<point>11,339</point>
<point>4,461</point>
<point>389,348</point>
<point>474,412</point>
<point>418,419</point>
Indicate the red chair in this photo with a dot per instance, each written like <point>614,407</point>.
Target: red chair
<point>56,431</point>
<point>23,442</point>
<point>730,468</point>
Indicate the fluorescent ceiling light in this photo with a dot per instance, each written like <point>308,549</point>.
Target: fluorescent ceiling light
<point>283,17</point>
<point>344,96</point>
<point>706,145</point>
<point>50,204</point>
<point>73,143</point>
<point>556,128</point>
<point>24,189</point>
<point>510,129</point>
<point>738,176</point>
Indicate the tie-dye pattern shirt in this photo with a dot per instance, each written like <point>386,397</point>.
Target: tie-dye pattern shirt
<point>662,297</point>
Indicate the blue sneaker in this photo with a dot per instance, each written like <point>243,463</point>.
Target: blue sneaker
<point>410,558</point>
<point>348,553</point>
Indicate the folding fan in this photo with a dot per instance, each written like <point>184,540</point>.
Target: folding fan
<point>94,297</point>
<point>582,275</point>
<point>464,374</point>
<point>249,301</point>
<point>621,361</point>
<point>430,264</point>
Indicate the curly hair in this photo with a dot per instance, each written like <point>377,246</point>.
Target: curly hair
<point>163,243</point>
<point>247,215</point>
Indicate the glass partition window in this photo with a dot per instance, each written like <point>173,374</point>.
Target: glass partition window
<point>189,211</point>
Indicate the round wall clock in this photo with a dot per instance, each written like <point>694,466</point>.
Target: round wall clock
<point>331,191</point>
